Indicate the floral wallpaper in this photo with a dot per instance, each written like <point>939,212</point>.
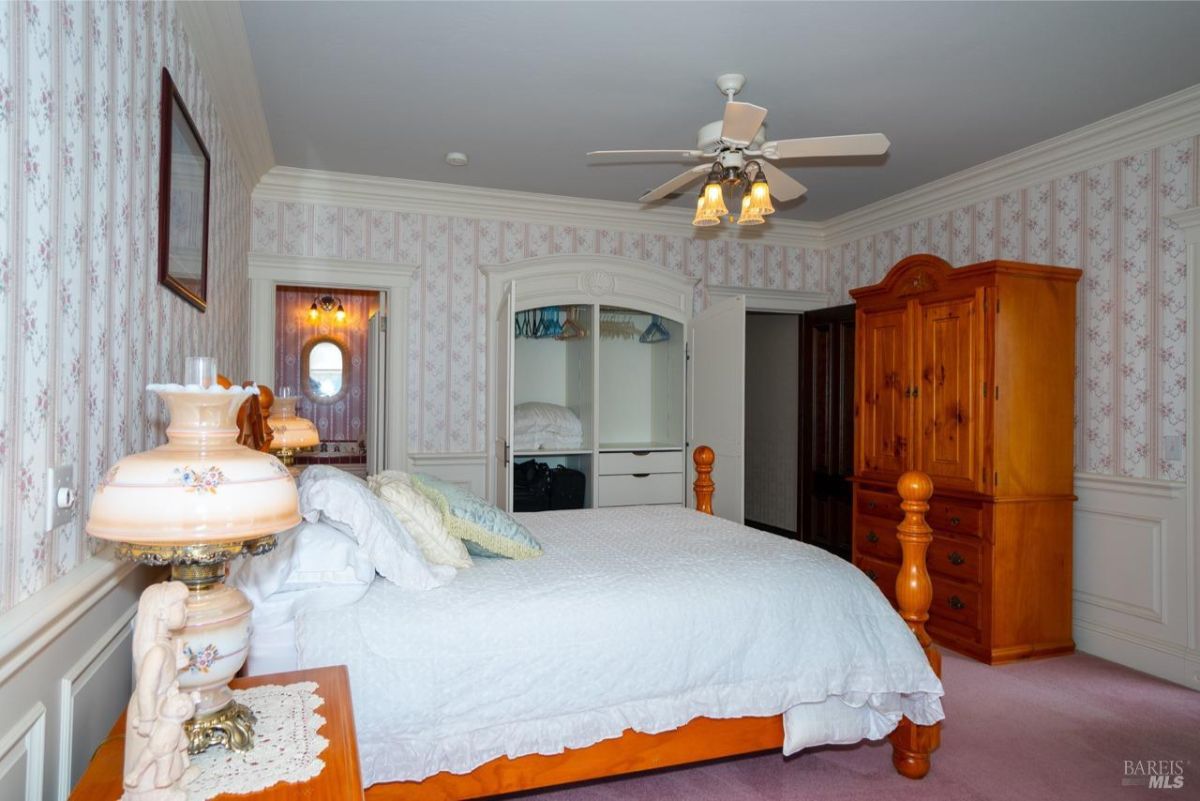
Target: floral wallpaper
<point>345,419</point>
<point>84,325</point>
<point>1110,220</point>
<point>1131,349</point>
<point>447,360</point>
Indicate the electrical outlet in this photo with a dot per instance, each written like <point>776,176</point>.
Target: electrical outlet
<point>1173,447</point>
<point>60,495</point>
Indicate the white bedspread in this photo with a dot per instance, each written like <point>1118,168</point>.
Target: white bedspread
<point>642,618</point>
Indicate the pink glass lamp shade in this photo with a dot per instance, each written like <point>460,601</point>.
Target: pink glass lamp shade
<point>194,503</point>
<point>290,433</point>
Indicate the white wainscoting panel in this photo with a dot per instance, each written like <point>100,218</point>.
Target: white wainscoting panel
<point>63,683</point>
<point>1132,576</point>
<point>92,694</point>
<point>22,754</point>
<point>467,470</point>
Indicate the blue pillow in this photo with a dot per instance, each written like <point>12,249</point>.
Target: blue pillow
<point>486,530</point>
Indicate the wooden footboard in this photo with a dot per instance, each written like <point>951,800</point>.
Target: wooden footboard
<point>705,739</point>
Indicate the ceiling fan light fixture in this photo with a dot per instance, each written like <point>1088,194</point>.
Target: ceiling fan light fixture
<point>704,217</point>
<point>750,214</point>
<point>760,193</point>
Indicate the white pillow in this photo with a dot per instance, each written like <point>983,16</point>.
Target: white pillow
<point>329,493</point>
<point>420,517</point>
<point>314,566</point>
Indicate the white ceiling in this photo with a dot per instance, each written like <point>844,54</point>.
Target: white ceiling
<point>527,88</point>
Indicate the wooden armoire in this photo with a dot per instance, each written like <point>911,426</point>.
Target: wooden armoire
<point>968,375</point>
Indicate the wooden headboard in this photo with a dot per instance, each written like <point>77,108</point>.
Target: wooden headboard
<point>252,417</point>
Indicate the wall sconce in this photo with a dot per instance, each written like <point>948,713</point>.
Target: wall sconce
<point>326,303</point>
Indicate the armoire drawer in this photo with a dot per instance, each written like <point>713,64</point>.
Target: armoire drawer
<point>955,517</point>
<point>955,602</point>
<point>882,573</point>
<point>960,559</point>
<point>639,489</point>
<point>879,504</point>
<point>633,462</point>
<point>876,537</point>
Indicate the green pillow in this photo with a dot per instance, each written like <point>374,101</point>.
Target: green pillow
<point>486,530</point>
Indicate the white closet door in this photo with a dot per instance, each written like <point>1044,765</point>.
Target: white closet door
<point>717,397</point>
<point>376,393</point>
<point>504,391</point>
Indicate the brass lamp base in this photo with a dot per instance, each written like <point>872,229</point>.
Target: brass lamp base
<point>287,456</point>
<point>230,727</point>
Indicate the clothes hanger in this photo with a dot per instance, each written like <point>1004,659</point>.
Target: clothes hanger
<point>571,329</point>
<point>655,332</point>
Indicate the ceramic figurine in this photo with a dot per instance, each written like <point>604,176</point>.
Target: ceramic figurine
<point>153,738</point>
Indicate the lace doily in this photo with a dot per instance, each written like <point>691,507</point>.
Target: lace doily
<point>286,744</point>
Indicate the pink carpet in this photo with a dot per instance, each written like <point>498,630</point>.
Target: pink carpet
<point>1051,729</point>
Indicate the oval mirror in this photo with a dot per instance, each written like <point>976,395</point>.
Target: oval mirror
<point>324,369</point>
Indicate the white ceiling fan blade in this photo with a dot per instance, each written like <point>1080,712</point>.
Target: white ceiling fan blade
<point>742,121</point>
<point>678,182</point>
<point>873,144</point>
<point>783,186</point>
<point>659,154</point>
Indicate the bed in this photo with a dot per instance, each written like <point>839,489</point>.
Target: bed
<point>643,637</point>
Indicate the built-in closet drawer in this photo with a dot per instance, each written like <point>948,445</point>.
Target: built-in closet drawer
<point>630,462</point>
<point>639,488</point>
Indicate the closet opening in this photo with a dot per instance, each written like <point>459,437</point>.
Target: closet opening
<point>328,358</point>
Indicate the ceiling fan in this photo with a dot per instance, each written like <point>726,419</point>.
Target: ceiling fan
<point>736,154</point>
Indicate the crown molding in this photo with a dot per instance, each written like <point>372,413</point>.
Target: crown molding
<point>1155,123</point>
<point>217,35</point>
<point>353,273</point>
<point>1188,221</point>
<point>772,300</point>
<point>292,184</point>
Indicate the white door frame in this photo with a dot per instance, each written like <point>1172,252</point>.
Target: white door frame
<point>784,301</point>
<point>269,272</point>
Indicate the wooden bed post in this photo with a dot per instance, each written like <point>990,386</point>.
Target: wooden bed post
<point>703,486</point>
<point>912,744</point>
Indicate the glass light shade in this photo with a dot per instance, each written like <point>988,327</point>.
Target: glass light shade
<point>714,198</point>
<point>760,196</point>
<point>314,313</point>
<point>340,314</point>
<point>703,216</point>
<point>201,487</point>
<point>288,430</point>
<point>749,215</point>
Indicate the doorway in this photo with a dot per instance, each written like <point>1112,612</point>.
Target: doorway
<point>800,425</point>
<point>323,352</point>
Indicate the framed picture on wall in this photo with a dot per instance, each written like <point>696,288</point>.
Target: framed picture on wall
<point>182,201</point>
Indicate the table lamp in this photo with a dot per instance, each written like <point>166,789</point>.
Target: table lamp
<point>195,503</point>
<point>289,433</point>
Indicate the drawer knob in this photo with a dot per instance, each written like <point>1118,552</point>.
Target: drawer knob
<point>954,521</point>
<point>957,603</point>
<point>956,558</point>
<point>641,475</point>
<point>871,575</point>
<point>872,536</point>
<point>870,504</point>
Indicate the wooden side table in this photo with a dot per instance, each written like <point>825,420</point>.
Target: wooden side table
<point>340,780</point>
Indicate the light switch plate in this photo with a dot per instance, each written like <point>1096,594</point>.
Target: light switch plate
<point>61,497</point>
<point>1173,447</point>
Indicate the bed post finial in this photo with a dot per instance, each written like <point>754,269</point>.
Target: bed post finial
<point>911,743</point>
<point>703,486</point>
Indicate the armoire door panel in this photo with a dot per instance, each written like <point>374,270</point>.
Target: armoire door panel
<point>882,416</point>
<point>949,392</point>
<point>824,508</point>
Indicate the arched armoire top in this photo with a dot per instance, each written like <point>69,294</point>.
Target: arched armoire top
<point>587,279</point>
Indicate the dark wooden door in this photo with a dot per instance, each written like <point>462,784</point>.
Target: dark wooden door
<point>826,428</point>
